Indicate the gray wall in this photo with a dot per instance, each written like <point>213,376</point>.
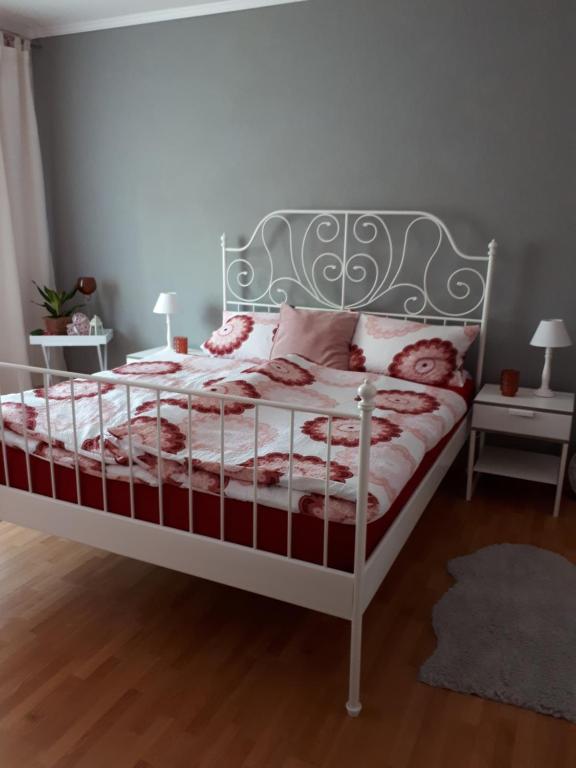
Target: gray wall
<point>157,138</point>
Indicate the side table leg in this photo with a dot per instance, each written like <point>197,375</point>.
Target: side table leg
<point>561,473</point>
<point>46,354</point>
<point>470,474</point>
<point>101,358</point>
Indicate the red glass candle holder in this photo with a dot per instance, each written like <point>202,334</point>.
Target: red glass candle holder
<point>509,381</point>
<point>180,344</point>
<point>86,285</point>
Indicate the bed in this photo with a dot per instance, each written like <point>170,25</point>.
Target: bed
<point>281,477</point>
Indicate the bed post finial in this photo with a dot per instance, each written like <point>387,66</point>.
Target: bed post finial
<point>367,392</point>
<point>492,249</point>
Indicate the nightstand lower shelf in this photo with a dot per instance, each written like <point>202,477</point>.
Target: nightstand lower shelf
<point>523,465</point>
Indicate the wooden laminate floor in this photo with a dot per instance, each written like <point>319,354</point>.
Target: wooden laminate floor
<point>110,663</point>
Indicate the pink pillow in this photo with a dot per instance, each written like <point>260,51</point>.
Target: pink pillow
<point>243,335</point>
<point>322,337</point>
<point>405,349</point>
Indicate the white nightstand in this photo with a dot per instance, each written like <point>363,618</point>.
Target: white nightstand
<point>100,342</point>
<point>133,357</point>
<point>527,416</point>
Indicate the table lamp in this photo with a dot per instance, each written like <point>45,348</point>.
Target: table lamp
<point>550,334</point>
<point>166,305</point>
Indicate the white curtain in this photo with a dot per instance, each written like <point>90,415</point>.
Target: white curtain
<point>24,247</point>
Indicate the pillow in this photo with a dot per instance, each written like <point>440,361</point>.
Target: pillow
<point>405,349</point>
<point>321,337</point>
<point>243,335</point>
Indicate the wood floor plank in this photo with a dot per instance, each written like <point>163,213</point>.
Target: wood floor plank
<point>107,662</point>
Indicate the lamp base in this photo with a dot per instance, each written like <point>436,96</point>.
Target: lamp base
<point>544,389</point>
<point>168,332</point>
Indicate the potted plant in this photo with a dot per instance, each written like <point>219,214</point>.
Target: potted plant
<point>56,304</point>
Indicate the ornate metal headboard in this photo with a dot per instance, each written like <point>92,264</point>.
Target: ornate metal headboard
<point>396,263</point>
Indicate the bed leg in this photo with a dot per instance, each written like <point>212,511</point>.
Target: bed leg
<point>366,394</point>
<point>353,705</point>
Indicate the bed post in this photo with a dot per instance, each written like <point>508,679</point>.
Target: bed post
<point>223,246</point>
<point>492,248</point>
<point>367,393</point>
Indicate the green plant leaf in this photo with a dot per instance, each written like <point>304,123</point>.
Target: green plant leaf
<point>44,306</point>
<point>71,294</point>
<point>55,301</point>
<point>41,291</point>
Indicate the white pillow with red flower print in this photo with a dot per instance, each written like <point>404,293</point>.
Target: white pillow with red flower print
<point>406,349</point>
<point>243,335</point>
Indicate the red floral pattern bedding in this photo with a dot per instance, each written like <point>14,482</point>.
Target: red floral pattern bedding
<point>411,350</point>
<point>409,420</point>
<point>243,335</point>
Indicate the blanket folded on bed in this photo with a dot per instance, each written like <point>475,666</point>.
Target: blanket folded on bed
<point>197,441</point>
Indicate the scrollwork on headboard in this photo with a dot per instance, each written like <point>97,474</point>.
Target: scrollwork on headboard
<point>395,263</point>
<point>357,252</point>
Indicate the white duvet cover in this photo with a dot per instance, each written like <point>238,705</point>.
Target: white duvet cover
<point>409,420</point>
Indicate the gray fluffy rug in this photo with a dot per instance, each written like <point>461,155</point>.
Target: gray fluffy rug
<point>507,629</point>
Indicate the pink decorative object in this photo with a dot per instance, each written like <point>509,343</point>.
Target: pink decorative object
<point>80,325</point>
<point>322,337</point>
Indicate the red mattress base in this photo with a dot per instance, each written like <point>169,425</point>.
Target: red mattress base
<point>272,524</point>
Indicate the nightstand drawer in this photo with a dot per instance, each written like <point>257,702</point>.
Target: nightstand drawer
<point>522,421</point>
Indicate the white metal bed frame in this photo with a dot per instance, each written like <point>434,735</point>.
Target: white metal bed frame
<point>346,262</point>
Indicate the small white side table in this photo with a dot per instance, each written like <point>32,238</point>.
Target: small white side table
<point>527,416</point>
<point>100,342</point>
<point>133,357</point>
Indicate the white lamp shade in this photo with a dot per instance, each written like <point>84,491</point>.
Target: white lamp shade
<point>551,334</point>
<point>166,304</point>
